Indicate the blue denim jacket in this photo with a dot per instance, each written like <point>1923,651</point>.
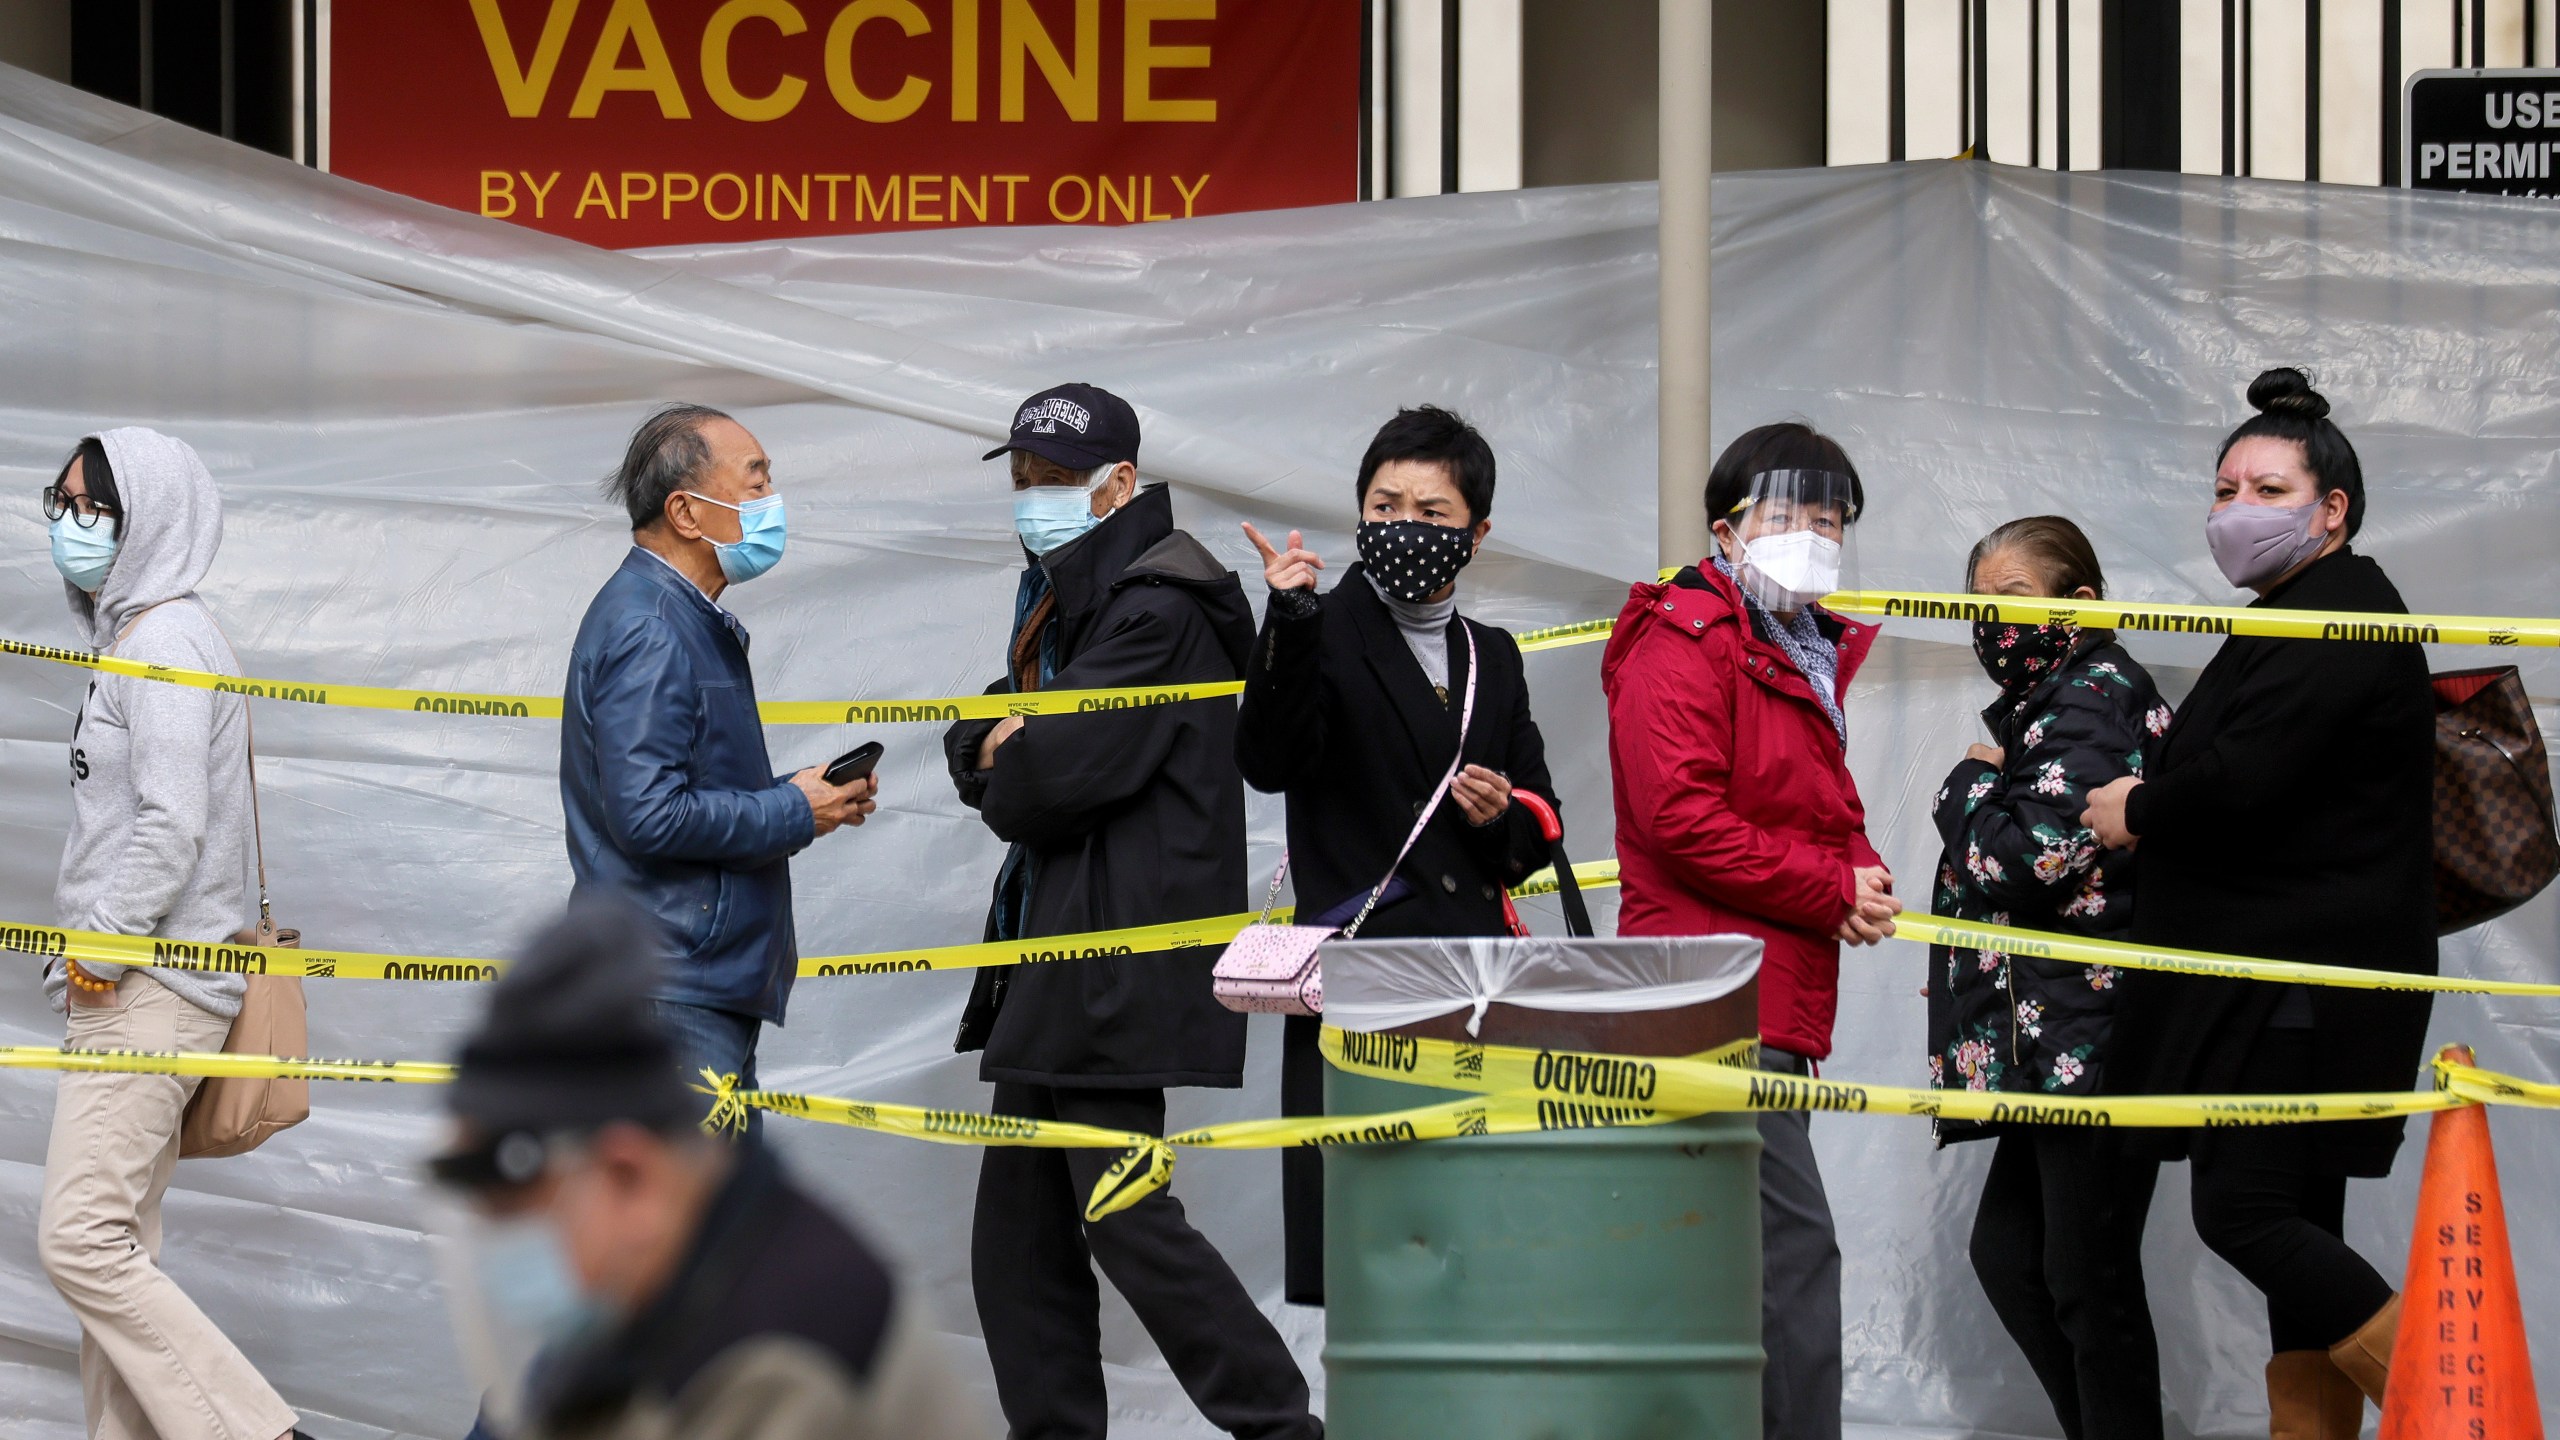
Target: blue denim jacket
<point>669,795</point>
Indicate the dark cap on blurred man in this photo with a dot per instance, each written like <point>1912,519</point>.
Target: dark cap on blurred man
<point>670,1281</point>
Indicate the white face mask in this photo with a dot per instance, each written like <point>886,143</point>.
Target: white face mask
<point>1790,570</point>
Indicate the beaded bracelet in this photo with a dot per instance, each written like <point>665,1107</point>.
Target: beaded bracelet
<point>84,980</point>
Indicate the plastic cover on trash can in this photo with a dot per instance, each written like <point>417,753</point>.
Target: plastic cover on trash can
<point>1400,982</point>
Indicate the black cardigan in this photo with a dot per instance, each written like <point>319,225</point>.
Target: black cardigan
<point>2290,816</point>
<point>1338,715</point>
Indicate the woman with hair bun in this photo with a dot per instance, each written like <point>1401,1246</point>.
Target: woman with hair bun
<point>2288,814</point>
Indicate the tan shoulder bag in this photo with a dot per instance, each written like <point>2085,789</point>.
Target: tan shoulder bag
<point>232,1115</point>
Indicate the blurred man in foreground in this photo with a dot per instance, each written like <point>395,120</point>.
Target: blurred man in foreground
<point>673,1284</point>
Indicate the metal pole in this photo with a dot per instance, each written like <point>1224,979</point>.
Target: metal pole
<point>2062,85</point>
<point>2311,89</point>
<point>1894,69</point>
<point>1449,111</point>
<point>2390,92</point>
<point>2035,83</point>
<point>1685,114</point>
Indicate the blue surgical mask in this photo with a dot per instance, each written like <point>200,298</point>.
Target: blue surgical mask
<point>761,534</point>
<point>1048,516</point>
<point>83,554</point>
<point>525,1278</point>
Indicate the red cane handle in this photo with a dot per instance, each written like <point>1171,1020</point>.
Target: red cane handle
<point>1549,825</point>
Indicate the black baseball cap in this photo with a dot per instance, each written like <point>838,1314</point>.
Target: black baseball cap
<point>570,1044</point>
<point>1077,425</point>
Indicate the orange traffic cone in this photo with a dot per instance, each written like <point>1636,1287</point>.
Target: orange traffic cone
<point>2459,1370</point>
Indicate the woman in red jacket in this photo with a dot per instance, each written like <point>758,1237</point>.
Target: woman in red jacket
<point>1736,815</point>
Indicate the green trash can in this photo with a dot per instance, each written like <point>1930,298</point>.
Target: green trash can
<point>1567,1285</point>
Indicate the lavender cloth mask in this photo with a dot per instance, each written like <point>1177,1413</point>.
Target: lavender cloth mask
<point>2256,543</point>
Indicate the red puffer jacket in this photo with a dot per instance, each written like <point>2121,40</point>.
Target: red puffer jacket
<point>1736,812</point>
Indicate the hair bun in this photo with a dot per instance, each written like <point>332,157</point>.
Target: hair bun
<point>2287,391</point>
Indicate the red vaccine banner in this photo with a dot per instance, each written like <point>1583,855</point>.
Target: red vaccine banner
<point>663,122</point>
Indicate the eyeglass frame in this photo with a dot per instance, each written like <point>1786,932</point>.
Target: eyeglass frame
<point>85,513</point>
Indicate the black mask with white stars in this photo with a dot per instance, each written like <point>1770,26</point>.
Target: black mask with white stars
<point>1414,560</point>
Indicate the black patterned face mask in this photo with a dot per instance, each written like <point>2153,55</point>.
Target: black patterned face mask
<point>1414,560</point>
<point>2021,656</point>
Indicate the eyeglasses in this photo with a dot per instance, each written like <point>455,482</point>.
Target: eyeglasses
<point>84,511</point>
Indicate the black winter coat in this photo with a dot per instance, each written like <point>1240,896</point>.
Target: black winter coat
<point>2017,854</point>
<point>2290,815</point>
<point>1338,716</point>
<point>1128,817</point>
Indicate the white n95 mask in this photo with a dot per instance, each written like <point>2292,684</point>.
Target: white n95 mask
<point>1792,570</point>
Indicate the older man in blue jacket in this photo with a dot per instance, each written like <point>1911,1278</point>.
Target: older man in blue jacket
<point>670,797</point>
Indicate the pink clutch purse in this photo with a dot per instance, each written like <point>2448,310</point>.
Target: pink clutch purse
<point>1272,969</point>
<point>1276,969</point>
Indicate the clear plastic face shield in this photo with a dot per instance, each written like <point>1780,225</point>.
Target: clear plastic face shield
<point>511,1288</point>
<point>1789,540</point>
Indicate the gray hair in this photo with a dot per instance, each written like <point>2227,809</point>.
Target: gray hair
<point>666,455</point>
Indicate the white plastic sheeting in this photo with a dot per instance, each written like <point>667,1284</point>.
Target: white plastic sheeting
<point>1381,984</point>
<point>408,410</point>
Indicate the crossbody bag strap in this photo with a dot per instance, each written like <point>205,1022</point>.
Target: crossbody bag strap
<point>1430,807</point>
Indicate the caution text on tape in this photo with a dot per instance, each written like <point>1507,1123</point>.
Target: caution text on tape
<point>1632,1090</point>
<point>2141,616</point>
<point>1882,604</point>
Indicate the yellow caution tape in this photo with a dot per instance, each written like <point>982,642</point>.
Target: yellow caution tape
<point>1516,1091</point>
<point>2487,1087</point>
<point>54,942</point>
<point>937,710</point>
<point>1887,604</point>
<point>942,709</point>
<point>1147,1165</point>
<point>1597,1089</point>
<point>1556,637</point>
<point>2045,945</point>
<point>361,697</point>
<point>226,1066</point>
<point>2199,619</point>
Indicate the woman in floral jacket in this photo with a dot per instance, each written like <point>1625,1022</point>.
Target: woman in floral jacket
<point>2057,1241</point>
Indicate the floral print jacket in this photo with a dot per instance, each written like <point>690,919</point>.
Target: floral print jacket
<point>2017,855</point>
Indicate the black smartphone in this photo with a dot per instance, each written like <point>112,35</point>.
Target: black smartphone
<point>853,764</point>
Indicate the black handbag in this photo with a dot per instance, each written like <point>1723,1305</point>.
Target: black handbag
<point>2496,845</point>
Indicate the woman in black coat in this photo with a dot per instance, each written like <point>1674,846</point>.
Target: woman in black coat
<point>1351,708</point>
<point>2057,1242</point>
<point>2289,815</point>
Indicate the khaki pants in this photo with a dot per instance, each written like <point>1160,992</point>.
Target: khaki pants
<point>152,1367</point>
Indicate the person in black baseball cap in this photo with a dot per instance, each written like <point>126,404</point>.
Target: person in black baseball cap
<point>1074,450</point>
<point>1076,425</point>
<point>661,1278</point>
<point>1126,817</point>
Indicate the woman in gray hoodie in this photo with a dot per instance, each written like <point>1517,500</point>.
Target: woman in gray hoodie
<point>160,844</point>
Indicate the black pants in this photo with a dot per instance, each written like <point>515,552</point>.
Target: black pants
<point>1799,1275</point>
<point>1032,1257</point>
<point>2058,1247</point>
<point>2262,1205</point>
<point>1302,1166</point>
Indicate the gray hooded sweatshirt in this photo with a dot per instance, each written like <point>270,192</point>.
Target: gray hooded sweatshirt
<point>160,838</point>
